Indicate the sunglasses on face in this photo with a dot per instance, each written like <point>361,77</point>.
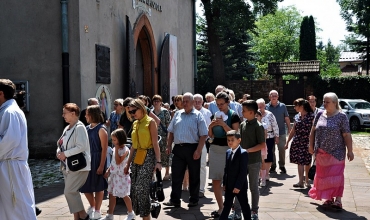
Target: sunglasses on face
<point>132,112</point>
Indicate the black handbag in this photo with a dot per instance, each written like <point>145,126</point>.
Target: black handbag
<point>312,171</point>
<point>78,161</point>
<point>156,188</point>
<point>155,209</point>
<point>156,194</point>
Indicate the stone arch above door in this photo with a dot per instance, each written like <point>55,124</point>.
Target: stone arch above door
<point>141,23</point>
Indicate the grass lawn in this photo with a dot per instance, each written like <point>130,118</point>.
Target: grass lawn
<point>363,131</point>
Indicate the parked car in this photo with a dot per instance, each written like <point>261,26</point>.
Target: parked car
<point>357,111</point>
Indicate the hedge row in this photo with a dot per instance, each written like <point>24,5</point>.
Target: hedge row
<point>351,87</point>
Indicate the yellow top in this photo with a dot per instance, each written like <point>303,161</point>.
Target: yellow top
<point>140,136</point>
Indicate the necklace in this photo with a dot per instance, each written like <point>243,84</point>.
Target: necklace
<point>93,125</point>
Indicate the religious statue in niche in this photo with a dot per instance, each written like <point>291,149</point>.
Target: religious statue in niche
<point>104,97</point>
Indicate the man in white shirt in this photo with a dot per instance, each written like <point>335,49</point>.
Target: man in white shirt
<point>198,105</point>
<point>17,199</point>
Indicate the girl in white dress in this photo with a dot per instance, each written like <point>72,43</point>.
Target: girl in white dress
<point>119,183</point>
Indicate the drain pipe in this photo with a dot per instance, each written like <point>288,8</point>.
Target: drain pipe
<point>65,53</point>
<point>195,48</point>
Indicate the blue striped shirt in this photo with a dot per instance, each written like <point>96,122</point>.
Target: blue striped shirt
<point>187,128</point>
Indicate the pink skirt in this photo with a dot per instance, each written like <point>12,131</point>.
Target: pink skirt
<point>329,177</point>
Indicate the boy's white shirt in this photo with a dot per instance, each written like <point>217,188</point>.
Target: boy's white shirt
<point>234,152</point>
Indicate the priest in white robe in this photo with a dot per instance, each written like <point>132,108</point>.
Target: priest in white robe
<point>17,199</point>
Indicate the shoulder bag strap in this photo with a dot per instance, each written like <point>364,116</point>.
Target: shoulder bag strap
<point>137,135</point>
<point>71,135</point>
<point>317,118</point>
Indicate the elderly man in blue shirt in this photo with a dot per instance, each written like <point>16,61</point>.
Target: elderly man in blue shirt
<point>282,118</point>
<point>188,130</point>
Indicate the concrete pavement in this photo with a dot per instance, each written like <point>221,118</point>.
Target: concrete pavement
<point>278,200</point>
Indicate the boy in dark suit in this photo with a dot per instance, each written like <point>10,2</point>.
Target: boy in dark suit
<point>235,176</point>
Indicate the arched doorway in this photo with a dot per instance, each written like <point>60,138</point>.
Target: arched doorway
<point>145,58</point>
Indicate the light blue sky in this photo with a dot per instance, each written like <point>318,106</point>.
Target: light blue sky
<point>326,14</point>
<point>327,17</point>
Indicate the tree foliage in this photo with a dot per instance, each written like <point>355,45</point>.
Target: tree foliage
<point>227,41</point>
<point>307,39</point>
<point>356,13</point>
<point>329,58</point>
<point>204,66</point>
<point>276,38</point>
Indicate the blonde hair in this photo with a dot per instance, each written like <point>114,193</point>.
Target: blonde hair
<point>137,103</point>
<point>209,94</point>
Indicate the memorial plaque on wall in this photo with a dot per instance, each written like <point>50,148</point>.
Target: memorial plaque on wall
<point>102,64</point>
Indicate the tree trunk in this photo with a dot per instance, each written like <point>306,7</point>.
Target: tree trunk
<point>367,55</point>
<point>212,14</point>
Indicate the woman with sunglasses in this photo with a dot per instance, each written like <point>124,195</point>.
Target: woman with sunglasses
<point>144,139</point>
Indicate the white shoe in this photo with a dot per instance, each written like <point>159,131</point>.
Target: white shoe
<point>130,215</point>
<point>263,183</point>
<point>95,215</point>
<point>108,217</point>
<point>268,177</point>
<point>90,210</point>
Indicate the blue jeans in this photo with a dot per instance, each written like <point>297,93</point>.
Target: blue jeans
<point>253,176</point>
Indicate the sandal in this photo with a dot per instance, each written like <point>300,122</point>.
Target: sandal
<point>337,205</point>
<point>308,185</point>
<point>298,185</point>
<point>328,202</point>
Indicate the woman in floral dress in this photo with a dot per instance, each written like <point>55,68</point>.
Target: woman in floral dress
<point>165,118</point>
<point>300,133</point>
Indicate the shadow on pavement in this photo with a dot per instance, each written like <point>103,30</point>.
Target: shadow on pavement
<point>49,192</point>
<point>337,214</point>
<point>266,190</point>
<point>282,176</point>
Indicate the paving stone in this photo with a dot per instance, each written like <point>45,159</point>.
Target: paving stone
<point>278,200</point>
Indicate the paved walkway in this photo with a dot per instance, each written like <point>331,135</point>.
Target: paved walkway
<point>278,200</point>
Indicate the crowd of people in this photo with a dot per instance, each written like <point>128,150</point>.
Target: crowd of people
<point>149,135</point>
<point>146,135</point>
